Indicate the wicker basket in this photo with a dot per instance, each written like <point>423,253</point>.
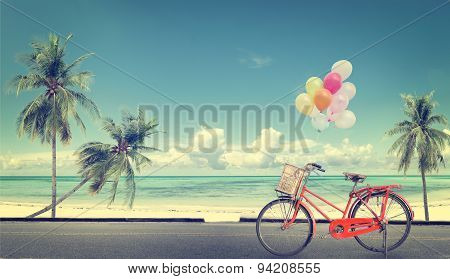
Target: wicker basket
<point>290,180</point>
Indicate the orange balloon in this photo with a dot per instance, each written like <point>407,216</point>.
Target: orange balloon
<point>322,98</point>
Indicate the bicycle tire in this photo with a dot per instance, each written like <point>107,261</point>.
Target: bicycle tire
<point>405,234</point>
<point>301,245</point>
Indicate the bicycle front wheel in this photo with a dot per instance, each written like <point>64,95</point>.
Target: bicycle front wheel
<point>275,236</point>
<point>398,216</point>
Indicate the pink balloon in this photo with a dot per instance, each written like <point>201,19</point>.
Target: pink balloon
<point>332,82</point>
<point>339,103</point>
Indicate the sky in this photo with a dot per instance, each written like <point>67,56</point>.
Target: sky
<point>197,53</point>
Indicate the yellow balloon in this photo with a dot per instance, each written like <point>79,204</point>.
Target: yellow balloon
<point>304,103</point>
<point>312,84</point>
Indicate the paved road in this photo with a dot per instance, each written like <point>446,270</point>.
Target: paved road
<point>189,240</point>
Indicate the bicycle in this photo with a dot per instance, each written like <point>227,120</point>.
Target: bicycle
<point>285,226</point>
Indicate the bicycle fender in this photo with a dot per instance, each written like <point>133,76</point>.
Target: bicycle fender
<point>352,207</point>
<point>376,192</point>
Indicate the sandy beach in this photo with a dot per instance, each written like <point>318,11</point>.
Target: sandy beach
<point>439,211</point>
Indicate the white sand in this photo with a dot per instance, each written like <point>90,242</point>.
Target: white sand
<point>439,211</point>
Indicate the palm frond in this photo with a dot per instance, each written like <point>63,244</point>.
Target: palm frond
<point>407,153</point>
<point>63,130</point>
<point>97,184</point>
<point>81,79</point>
<point>438,119</point>
<point>112,129</point>
<point>113,191</point>
<point>145,148</point>
<point>27,82</point>
<point>398,143</point>
<point>130,184</point>
<point>116,170</point>
<point>34,118</point>
<point>401,127</point>
<point>66,42</point>
<point>86,103</point>
<point>72,65</point>
<point>139,159</point>
<point>79,121</point>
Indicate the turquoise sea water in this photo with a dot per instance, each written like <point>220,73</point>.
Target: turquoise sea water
<point>236,191</point>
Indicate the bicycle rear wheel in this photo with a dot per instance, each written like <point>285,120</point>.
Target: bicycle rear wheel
<point>398,216</point>
<point>274,237</point>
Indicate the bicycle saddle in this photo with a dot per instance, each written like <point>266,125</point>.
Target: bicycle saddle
<point>355,177</point>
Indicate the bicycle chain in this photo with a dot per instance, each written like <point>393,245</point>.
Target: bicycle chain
<point>322,236</point>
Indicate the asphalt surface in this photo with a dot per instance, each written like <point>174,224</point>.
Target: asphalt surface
<point>190,240</point>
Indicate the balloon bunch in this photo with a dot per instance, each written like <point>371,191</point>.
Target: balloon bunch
<point>330,94</point>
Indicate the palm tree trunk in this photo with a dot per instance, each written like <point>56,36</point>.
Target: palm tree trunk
<point>54,160</point>
<point>60,200</point>
<point>425,197</point>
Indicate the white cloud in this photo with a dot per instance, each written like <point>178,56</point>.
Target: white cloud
<point>37,163</point>
<point>210,153</point>
<point>347,154</point>
<point>253,60</point>
<point>269,140</point>
<point>10,163</point>
<point>209,146</point>
<point>240,159</point>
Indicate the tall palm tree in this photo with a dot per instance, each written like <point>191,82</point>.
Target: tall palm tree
<point>47,116</point>
<point>102,163</point>
<point>418,138</point>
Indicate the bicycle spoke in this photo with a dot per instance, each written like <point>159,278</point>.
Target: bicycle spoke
<point>389,207</point>
<point>403,213</point>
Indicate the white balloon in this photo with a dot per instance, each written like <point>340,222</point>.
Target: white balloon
<point>347,89</point>
<point>343,68</point>
<point>332,115</point>
<point>345,120</point>
<point>314,112</point>
<point>320,122</point>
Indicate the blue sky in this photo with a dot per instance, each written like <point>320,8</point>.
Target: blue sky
<point>234,52</point>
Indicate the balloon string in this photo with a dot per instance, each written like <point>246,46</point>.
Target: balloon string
<point>317,135</point>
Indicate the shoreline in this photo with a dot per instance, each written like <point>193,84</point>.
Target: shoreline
<point>439,211</point>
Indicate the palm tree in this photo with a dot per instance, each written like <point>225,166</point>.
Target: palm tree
<point>47,116</point>
<point>102,163</point>
<point>418,138</point>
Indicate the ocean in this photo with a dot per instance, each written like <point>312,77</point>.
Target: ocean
<point>210,191</point>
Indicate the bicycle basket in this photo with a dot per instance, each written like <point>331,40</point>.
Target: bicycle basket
<point>290,180</point>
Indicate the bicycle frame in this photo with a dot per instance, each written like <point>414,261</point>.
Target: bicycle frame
<point>346,226</point>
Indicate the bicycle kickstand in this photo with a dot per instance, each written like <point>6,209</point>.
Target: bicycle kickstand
<point>385,241</point>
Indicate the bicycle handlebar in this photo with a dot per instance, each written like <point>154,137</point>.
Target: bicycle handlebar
<point>316,166</point>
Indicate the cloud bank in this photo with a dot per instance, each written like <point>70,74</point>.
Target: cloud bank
<point>209,154</point>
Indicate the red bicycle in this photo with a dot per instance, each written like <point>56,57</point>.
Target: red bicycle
<point>286,225</point>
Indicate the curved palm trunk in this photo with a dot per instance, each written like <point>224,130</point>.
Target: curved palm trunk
<point>425,197</point>
<point>60,200</point>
